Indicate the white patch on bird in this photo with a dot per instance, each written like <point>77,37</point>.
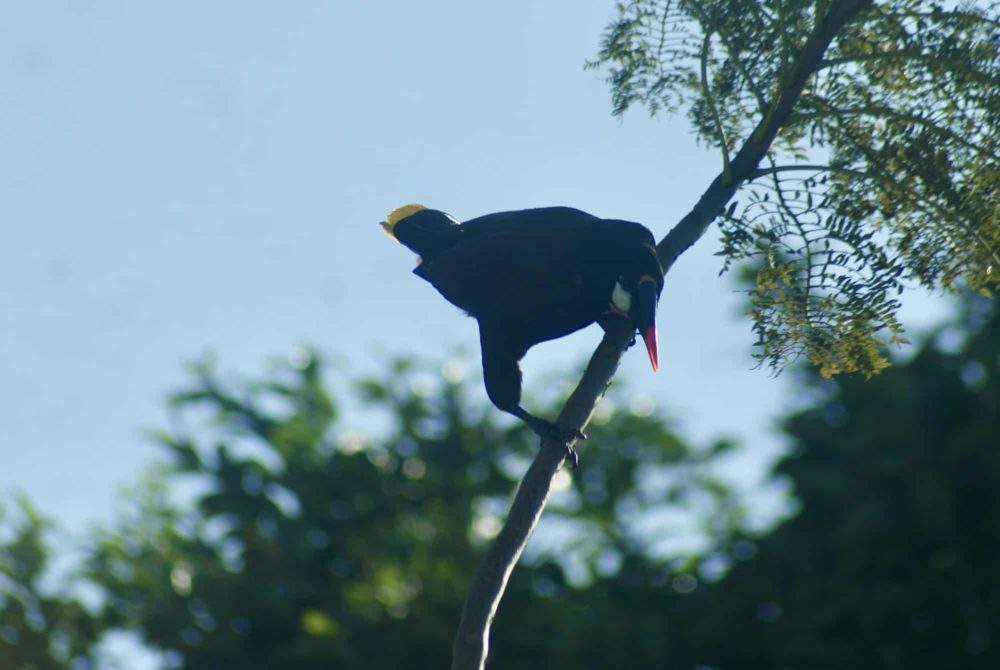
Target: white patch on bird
<point>621,299</point>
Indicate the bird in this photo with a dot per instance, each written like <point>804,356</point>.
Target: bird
<point>534,275</point>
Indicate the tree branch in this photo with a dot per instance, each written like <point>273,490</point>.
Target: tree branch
<point>694,224</point>
<point>764,172</point>
<point>472,639</point>
<point>707,92</point>
<point>490,580</point>
<point>733,54</point>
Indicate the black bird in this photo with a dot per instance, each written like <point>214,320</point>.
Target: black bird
<point>534,275</point>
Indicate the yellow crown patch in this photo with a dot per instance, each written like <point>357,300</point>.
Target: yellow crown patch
<point>397,215</point>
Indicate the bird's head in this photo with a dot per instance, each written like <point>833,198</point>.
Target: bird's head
<point>636,294</point>
<point>397,215</point>
<point>423,231</point>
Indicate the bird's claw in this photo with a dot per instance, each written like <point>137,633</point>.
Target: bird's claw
<point>558,432</point>
<point>571,457</point>
<point>564,435</point>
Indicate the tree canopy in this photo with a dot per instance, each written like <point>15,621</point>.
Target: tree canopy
<point>301,542</point>
<point>884,175</point>
<point>313,545</point>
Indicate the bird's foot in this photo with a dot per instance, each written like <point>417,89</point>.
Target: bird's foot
<point>557,432</point>
<point>552,430</point>
<point>571,457</point>
<point>564,435</point>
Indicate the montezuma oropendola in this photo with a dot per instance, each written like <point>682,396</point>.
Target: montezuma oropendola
<point>534,275</point>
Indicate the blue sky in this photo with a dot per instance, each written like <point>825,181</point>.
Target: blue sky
<point>186,177</point>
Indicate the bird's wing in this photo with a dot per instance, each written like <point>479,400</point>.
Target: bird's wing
<point>542,218</point>
<point>513,275</point>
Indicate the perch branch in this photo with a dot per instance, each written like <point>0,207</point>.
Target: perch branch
<point>490,579</point>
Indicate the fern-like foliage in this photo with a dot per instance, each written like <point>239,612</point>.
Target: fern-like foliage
<point>887,174</point>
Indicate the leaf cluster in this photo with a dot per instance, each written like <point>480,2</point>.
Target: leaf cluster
<point>886,175</point>
<point>42,626</point>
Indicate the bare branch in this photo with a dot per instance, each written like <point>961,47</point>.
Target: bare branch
<point>488,583</point>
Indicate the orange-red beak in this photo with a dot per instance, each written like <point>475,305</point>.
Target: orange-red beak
<point>649,337</point>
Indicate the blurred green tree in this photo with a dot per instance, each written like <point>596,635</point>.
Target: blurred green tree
<point>278,536</point>
<point>42,627</point>
<point>308,544</point>
<point>892,559</point>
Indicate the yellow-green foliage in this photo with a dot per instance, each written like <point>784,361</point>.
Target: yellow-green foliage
<point>886,175</point>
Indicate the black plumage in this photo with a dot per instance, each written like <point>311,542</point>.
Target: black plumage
<point>534,275</point>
